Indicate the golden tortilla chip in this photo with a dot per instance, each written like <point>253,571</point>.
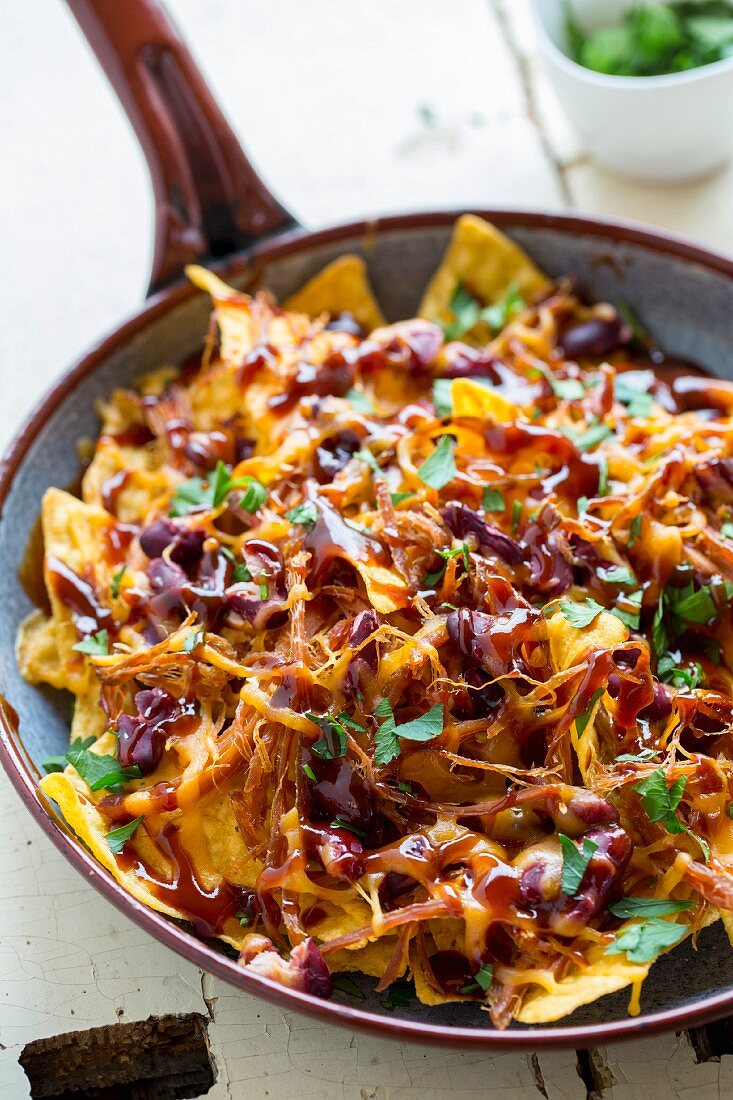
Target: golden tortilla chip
<point>341,287</point>
<point>486,262</point>
<point>471,399</point>
<point>607,974</point>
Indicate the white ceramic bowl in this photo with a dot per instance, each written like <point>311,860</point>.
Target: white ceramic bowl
<point>656,128</point>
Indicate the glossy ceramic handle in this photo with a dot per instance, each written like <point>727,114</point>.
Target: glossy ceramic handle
<point>209,201</point>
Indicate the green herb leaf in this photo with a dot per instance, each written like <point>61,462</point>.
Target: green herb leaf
<point>243,917</point>
<point>669,672</point>
<point>635,530</point>
<point>96,645</point>
<point>493,500</point>
<point>582,720</point>
<point>482,980</point>
<point>631,615</point>
<point>398,498</point>
<point>116,581</point>
<point>57,764</point>
<point>117,838</point>
<point>439,468</point>
<point>254,496</point>
<point>641,757</point>
<point>335,741</point>
<point>241,573</point>
<point>617,574</point>
<point>516,516</point>
<point>642,942</point>
<point>498,314</point>
<point>387,738</point>
<point>660,802</point>
<point>580,613</point>
<point>359,400</point>
<point>727,530</point>
<point>100,772</point>
<point>466,313</point>
<point>304,515</point>
<point>366,456</point>
<point>575,862</point>
<point>648,907</point>
<point>592,436</point>
<point>199,494</point>
<point>443,396</point>
<point>308,770</point>
<point>567,389</point>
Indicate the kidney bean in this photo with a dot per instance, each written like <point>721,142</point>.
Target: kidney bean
<point>597,336</point>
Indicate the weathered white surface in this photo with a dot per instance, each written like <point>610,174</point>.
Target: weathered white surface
<point>327,97</point>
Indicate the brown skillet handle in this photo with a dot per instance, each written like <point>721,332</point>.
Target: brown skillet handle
<point>209,201</point>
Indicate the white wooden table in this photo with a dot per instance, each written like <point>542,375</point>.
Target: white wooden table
<point>331,100</point>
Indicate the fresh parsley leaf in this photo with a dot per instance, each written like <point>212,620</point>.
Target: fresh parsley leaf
<point>97,645</point>
<point>642,942</point>
<point>660,802</point>
<point>209,494</point>
<point>366,456</point>
<point>264,590</point>
<point>582,505</point>
<point>443,396</point>
<point>582,720</point>
<point>439,468</point>
<point>648,907</point>
<point>398,498</point>
<point>516,516</point>
<point>387,737</point>
<point>602,476</point>
<point>351,723</point>
<point>482,980</point>
<point>498,314</point>
<point>575,862</point>
<point>466,313</point>
<point>660,636</point>
<point>243,917</point>
<point>117,838</point>
<point>305,514</point>
<point>617,574</point>
<point>493,500</point>
<point>631,389</point>
<point>727,530</point>
<point>669,672</point>
<point>308,770</point>
<point>99,771</point>
<point>116,581</point>
<point>58,763</point>
<point>698,607</point>
<point>630,617</point>
<point>640,757</point>
<point>592,436</point>
<point>359,400</point>
<point>241,573</point>
<point>335,740</point>
<point>567,389</point>
<point>580,613</point>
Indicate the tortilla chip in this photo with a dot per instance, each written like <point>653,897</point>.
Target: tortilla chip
<point>607,974</point>
<point>471,399</point>
<point>487,263</point>
<point>570,644</point>
<point>386,590</point>
<point>83,817</point>
<point>341,287</point>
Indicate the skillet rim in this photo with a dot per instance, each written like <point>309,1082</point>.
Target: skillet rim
<point>23,775</point>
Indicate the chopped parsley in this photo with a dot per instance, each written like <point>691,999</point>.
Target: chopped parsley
<point>660,802</point>
<point>335,738</point>
<point>117,838</point>
<point>493,500</point>
<point>338,823</point>
<point>443,396</point>
<point>632,617</point>
<point>116,581</point>
<point>642,942</point>
<point>617,574</point>
<point>308,770</point>
<point>575,862</point>
<point>635,530</point>
<point>96,645</point>
<point>580,613</point>
<point>208,494</point>
<point>648,907</point>
<point>467,312</point>
<point>582,720</point>
<point>398,498</point>
<point>516,515</point>
<point>439,468</point>
<point>669,672</point>
<point>304,515</point>
<point>481,981</point>
<point>101,772</point>
<point>641,757</point>
<point>399,995</point>
<point>387,738</point>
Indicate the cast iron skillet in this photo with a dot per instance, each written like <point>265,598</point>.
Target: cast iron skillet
<point>210,203</point>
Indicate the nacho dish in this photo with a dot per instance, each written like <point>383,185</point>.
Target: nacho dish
<point>403,649</point>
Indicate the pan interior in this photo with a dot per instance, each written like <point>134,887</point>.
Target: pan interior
<point>686,306</point>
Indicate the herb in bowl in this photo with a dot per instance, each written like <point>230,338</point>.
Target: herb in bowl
<point>656,39</point>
